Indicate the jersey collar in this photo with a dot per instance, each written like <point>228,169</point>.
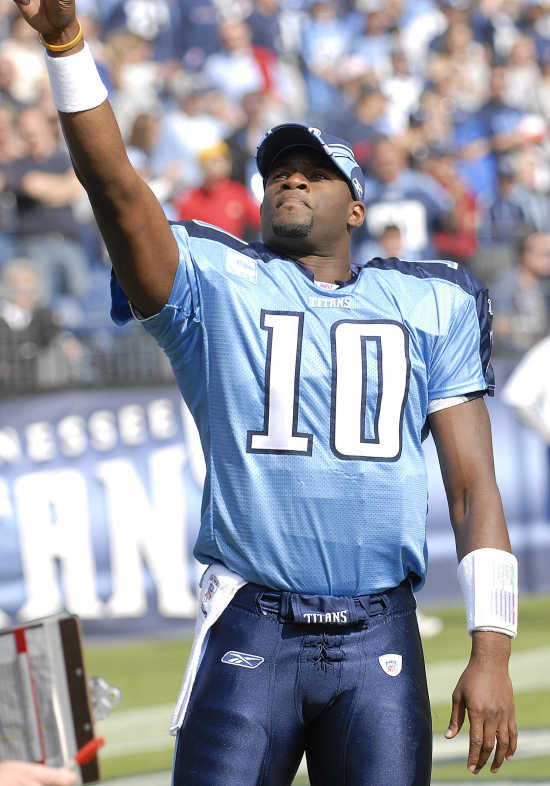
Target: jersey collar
<point>267,255</point>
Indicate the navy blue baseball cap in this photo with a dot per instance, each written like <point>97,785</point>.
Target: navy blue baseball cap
<point>289,135</point>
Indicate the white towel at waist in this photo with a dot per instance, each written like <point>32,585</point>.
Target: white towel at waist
<point>218,586</point>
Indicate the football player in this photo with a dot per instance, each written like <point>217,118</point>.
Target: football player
<point>312,385</point>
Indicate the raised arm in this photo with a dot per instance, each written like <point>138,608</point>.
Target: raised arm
<point>462,436</point>
<point>136,232</point>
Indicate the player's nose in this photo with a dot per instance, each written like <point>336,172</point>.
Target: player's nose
<point>297,180</point>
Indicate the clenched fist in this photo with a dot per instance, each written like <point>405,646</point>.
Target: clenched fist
<point>53,19</point>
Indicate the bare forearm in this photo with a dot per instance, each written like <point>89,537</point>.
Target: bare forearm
<point>463,440</point>
<point>98,154</point>
<point>478,520</point>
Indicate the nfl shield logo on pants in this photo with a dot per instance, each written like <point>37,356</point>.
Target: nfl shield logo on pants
<point>391,664</point>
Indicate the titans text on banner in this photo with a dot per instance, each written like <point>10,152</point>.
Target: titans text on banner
<point>99,504</point>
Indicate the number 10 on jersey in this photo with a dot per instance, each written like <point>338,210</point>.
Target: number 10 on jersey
<point>349,358</point>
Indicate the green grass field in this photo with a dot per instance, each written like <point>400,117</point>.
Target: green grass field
<point>149,674</point>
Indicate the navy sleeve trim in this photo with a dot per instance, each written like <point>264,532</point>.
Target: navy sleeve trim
<point>485,317</point>
<point>469,283</point>
<point>200,229</point>
<point>256,250</point>
<point>446,270</point>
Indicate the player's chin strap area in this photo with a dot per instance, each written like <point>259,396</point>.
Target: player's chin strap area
<point>488,579</point>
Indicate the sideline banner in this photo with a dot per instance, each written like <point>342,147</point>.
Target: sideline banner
<point>100,495</point>
<point>99,505</point>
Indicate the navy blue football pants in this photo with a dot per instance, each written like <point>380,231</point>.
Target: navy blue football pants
<point>320,688</point>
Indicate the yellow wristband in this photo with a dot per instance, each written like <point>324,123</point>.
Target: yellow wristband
<point>63,47</point>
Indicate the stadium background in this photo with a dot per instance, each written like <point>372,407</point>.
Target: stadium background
<point>447,105</point>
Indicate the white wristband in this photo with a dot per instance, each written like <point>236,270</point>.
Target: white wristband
<point>76,84</point>
<point>488,579</point>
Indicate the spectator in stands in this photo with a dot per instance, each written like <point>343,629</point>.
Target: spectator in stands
<point>45,186</point>
<point>462,64</point>
<point>483,17</point>
<point>475,160</point>
<point>219,200</point>
<point>34,351</point>
<point>363,124</point>
<point>22,51</point>
<point>418,25</point>
<point>140,146</point>
<point>403,89</point>
<point>375,47</point>
<point>413,201</point>
<point>505,218</point>
<point>535,19</point>
<point>258,114</point>
<point>265,24</point>
<point>387,245</point>
<point>10,150</point>
<point>137,76</point>
<point>197,36</point>
<point>240,67</point>
<point>430,125</point>
<point>7,76</point>
<point>391,242</point>
<point>522,297</point>
<point>185,130</point>
<point>500,118</point>
<point>451,12</point>
<point>144,19</point>
<point>460,243</point>
<point>543,86</point>
<point>530,189</point>
<point>480,137</point>
<point>327,38</point>
<point>522,75</point>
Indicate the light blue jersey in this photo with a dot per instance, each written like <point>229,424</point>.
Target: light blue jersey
<point>311,404</point>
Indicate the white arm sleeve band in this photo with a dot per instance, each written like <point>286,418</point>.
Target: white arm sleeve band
<point>488,579</point>
<point>436,404</point>
<point>75,82</point>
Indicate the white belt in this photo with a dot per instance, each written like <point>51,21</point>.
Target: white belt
<point>218,586</point>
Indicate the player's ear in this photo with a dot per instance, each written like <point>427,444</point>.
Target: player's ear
<point>356,214</point>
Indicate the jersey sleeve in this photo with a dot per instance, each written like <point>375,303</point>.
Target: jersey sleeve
<point>460,359</point>
<point>182,310</point>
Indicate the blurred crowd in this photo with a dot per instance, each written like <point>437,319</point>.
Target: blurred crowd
<point>446,104</point>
